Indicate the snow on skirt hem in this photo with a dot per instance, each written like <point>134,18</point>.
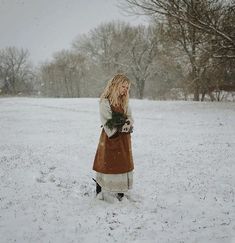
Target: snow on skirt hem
<point>115,182</point>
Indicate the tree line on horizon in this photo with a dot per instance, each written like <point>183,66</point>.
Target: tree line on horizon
<point>187,50</point>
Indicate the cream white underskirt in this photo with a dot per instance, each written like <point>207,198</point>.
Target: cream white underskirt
<point>115,182</point>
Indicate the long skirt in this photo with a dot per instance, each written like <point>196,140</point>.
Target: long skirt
<point>115,182</point>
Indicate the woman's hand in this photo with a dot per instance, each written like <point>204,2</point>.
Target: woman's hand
<point>127,127</point>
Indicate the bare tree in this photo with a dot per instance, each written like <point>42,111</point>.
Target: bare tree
<point>15,70</point>
<point>63,77</point>
<point>117,46</point>
<point>105,48</point>
<point>198,27</point>
<point>214,17</point>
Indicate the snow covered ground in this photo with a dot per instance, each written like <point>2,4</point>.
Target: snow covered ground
<point>184,183</point>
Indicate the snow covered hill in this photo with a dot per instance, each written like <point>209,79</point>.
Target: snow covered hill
<point>184,180</point>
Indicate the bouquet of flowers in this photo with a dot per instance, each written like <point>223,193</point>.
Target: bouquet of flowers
<point>118,120</point>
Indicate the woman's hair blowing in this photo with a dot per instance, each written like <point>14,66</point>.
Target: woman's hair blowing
<point>111,91</point>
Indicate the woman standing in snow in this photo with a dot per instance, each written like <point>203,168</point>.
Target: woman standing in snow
<point>113,161</point>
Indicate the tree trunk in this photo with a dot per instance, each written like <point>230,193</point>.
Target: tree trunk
<point>141,89</point>
<point>196,93</point>
<point>193,41</point>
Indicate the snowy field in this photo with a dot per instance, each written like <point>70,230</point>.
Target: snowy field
<point>184,180</point>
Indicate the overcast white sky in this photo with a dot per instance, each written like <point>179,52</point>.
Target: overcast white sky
<point>47,26</point>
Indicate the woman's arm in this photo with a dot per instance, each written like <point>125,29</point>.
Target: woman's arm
<point>128,126</point>
<point>129,115</point>
<point>105,115</point>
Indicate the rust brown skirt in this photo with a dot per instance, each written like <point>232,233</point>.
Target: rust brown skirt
<point>114,155</point>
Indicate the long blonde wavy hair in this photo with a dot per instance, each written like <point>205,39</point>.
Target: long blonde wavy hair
<point>111,92</point>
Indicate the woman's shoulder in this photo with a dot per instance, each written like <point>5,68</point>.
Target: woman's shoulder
<point>104,101</point>
<point>104,104</point>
